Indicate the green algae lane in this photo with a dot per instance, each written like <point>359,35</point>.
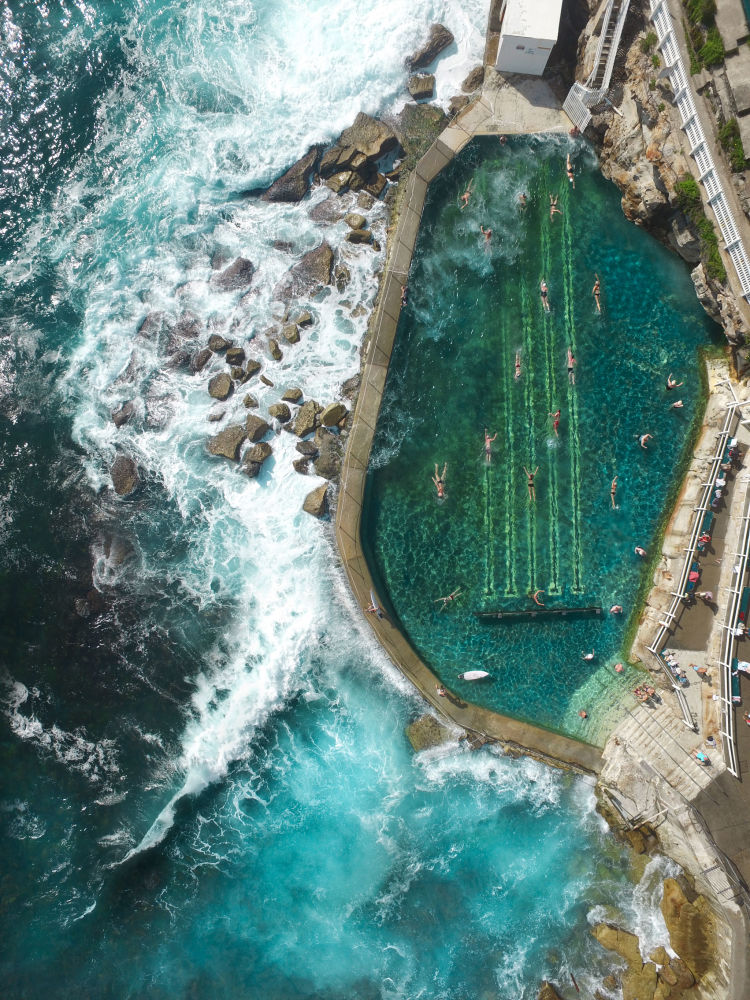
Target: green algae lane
<point>476,349</point>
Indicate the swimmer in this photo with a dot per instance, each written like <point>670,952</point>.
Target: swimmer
<point>555,421</point>
<point>612,492</point>
<point>487,233</point>
<point>644,439</point>
<point>596,292</point>
<point>553,209</point>
<point>544,291</point>
<point>640,552</point>
<point>466,195</point>
<point>503,139</point>
<point>522,200</point>
<point>447,600</point>
<point>488,444</point>
<point>588,656</point>
<point>534,595</point>
<point>671,384</point>
<point>569,171</point>
<point>616,609</point>
<point>530,483</point>
<point>583,714</point>
<point>439,481</point>
<point>518,364</point>
<point>571,368</point>
<point>619,668</point>
<point>676,405</point>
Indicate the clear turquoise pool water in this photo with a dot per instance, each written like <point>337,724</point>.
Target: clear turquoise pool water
<point>472,309</point>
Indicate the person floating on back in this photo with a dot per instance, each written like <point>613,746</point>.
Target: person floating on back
<point>530,483</point>
<point>596,292</point>
<point>553,209</point>
<point>466,195</point>
<point>613,492</point>
<point>449,599</point>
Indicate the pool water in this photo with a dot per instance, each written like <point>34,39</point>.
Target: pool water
<point>473,309</point>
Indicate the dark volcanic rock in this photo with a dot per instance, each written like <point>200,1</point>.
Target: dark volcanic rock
<point>239,274</point>
<point>301,465</point>
<point>439,38</point>
<point>124,473</point>
<point>220,386</point>
<point>309,274</point>
<point>123,414</point>
<point>295,183</point>
<point>421,87</point>
<point>228,442</point>
<point>256,427</point>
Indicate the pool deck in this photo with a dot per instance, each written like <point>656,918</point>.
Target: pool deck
<point>528,106</point>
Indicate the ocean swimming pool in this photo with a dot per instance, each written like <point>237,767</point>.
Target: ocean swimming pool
<point>474,311</point>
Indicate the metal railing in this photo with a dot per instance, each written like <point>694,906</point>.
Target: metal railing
<point>678,595</point>
<point>699,149</point>
<point>583,96</point>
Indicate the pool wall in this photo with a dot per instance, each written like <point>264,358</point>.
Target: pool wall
<point>533,110</point>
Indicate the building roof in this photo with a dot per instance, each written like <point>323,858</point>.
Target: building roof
<point>532,18</point>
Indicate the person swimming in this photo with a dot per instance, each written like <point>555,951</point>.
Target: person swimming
<point>612,492</point>
<point>522,200</point>
<point>672,383</point>
<point>555,421</point>
<point>487,233</point>
<point>530,483</point>
<point>596,292</point>
<point>466,195</point>
<point>518,364</point>
<point>544,292</point>
<point>534,595</point>
<point>488,444</point>
<point>553,209</point>
<point>569,171</point>
<point>571,367</point>
<point>439,481</point>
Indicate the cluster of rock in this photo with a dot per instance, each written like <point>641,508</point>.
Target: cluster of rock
<point>356,162</point>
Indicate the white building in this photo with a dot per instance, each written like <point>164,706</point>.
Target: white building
<point>528,30</point>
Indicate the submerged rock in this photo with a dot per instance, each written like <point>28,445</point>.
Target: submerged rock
<point>124,473</point>
<point>426,732</point>
<point>239,274</point>
<point>123,414</point>
<point>200,359</point>
<point>548,992</point>
<point>316,502</point>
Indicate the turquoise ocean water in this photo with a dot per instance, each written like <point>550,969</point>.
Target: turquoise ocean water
<point>205,787</point>
<point>474,310</point>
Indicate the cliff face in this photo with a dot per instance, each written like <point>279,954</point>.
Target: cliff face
<point>642,151</point>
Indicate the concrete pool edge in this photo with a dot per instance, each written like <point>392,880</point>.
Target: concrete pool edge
<point>487,116</point>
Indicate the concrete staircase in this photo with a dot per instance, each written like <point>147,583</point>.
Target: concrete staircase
<point>663,743</point>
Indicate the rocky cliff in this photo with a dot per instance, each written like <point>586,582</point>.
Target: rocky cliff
<point>642,150</point>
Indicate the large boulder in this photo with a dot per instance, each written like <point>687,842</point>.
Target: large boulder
<point>200,359</point>
<point>369,136</point>
<point>256,427</point>
<point>124,473</point>
<point>333,414</point>
<point>316,502</point>
<point>328,462</point>
<point>235,356</point>
<point>691,925</point>
<point>220,386</point>
<point>255,457</point>
<point>307,448</point>
<point>280,412</point>
<point>438,39</point>
<point>306,419</point>
<point>548,992</point>
<point>293,395</point>
<point>295,183</point>
<point>239,274</point>
<point>474,80</point>
<point>218,343</point>
<point>340,159</point>
<point>421,87</point>
<point>312,271</point>
<point>355,221</point>
<point>290,333</point>
<point>228,442</point>
<point>359,236</point>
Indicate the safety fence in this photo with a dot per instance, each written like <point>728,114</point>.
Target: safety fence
<point>699,148</point>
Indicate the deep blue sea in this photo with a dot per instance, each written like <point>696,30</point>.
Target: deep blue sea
<point>206,790</point>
